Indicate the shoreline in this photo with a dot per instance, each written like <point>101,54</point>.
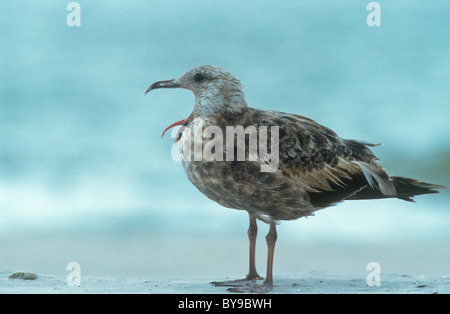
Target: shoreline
<point>313,282</point>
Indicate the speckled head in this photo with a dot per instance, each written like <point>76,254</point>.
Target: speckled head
<point>216,91</point>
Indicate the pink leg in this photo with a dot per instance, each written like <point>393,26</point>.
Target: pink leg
<point>267,285</point>
<point>252,273</point>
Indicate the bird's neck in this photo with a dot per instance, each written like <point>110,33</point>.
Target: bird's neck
<point>213,105</point>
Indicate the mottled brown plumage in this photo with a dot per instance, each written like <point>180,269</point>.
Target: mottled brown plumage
<point>316,167</point>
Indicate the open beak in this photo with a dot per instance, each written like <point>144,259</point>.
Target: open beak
<point>162,84</point>
<point>170,84</point>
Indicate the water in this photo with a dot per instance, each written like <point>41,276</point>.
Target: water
<point>80,145</point>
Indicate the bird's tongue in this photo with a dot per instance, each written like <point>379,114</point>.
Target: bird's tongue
<point>181,122</point>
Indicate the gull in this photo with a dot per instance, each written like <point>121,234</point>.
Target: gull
<point>316,168</point>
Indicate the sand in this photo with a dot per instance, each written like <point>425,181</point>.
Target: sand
<point>296,283</point>
<point>186,263</point>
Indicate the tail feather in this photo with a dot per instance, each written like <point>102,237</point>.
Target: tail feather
<point>407,188</point>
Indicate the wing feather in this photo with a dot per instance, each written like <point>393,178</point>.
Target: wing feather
<point>324,163</point>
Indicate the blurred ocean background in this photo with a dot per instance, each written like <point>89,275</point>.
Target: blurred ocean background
<point>85,176</point>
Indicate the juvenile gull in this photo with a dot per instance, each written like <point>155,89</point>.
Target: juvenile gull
<point>316,168</point>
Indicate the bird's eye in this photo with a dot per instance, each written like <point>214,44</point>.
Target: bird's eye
<point>199,77</point>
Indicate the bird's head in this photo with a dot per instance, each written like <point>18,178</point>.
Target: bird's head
<point>216,92</point>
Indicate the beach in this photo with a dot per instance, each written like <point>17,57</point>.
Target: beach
<point>145,263</point>
<point>295,283</point>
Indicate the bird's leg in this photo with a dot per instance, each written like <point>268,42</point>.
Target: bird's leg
<point>267,285</point>
<point>252,232</point>
<point>271,238</point>
<point>252,273</point>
